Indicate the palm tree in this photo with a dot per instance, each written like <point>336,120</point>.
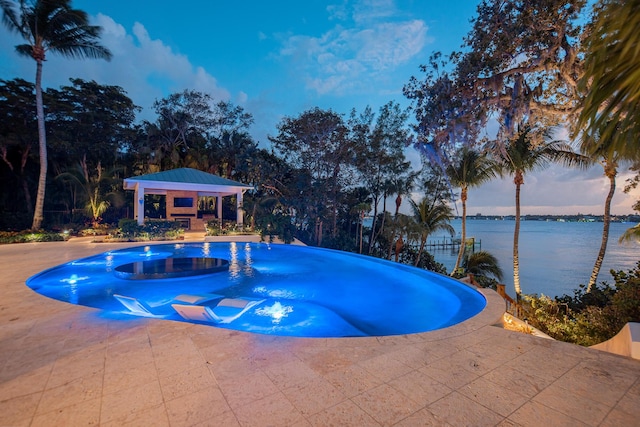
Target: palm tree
<point>608,124</point>
<point>609,155</point>
<point>50,25</point>
<point>431,217</point>
<point>519,156</point>
<point>96,202</point>
<point>611,105</point>
<point>471,169</point>
<point>483,263</point>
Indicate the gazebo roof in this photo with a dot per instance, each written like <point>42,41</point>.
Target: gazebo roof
<point>185,179</point>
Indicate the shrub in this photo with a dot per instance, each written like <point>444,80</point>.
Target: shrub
<point>130,230</point>
<point>228,228</point>
<point>29,236</point>
<point>588,318</point>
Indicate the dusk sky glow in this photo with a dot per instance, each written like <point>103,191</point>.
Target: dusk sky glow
<point>280,58</point>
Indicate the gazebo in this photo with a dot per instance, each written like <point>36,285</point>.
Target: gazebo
<point>185,190</point>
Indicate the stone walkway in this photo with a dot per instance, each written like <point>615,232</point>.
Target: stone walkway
<point>66,365</point>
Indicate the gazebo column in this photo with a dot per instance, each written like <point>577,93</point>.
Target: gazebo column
<point>138,206</point>
<point>219,208</point>
<point>239,211</point>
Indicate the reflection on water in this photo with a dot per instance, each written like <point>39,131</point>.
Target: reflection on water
<point>555,257</point>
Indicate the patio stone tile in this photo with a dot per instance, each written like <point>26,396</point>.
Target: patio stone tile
<point>290,374</point>
<point>420,387</point>
<point>128,354</point>
<point>493,396</point>
<point>187,382</point>
<point>517,381</point>
<point>458,410</point>
<point>422,418</point>
<point>17,410</point>
<point>629,404</point>
<point>128,328</point>
<point>313,396</point>
<point>543,362</point>
<point>586,410</point>
<point>272,410</point>
<point>77,364</point>
<point>326,360</point>
<point>116,379</point>
<point>508,423</point>
<point>397,405</point>
<point>412,356</point>
<point>72,392</point>
<point>231,367</point>
<point>534,414</point>
<point>196,407</point>
<point>29,359</point>
<point>155,416</point>
<point>618,418</point>
<point>125,405</point>
<point>385,367</point>
<point>603,386</point>
<point>242,390</point>
<point>22,385</point>
<point>353,380</point>
<point>85,413</point>
<point>346,413</point>
<point>472,362</point>
<point>226,419</point>
<point>449,372</point>
<point>169,363</point>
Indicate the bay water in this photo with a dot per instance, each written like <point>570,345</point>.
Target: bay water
<point>555,257</point>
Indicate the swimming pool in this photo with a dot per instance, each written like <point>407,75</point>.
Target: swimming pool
<point>264,288</point>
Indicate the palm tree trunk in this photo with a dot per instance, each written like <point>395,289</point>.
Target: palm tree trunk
<point>38,214</point>
<point>373,225</point>
<point>463,235</point>
<point>611,172</point>
<point>361,226</point>
<point>423,241</point>
<point>518,180</point>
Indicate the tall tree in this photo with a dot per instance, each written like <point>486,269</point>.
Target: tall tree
<point>184,124</point>
<point>470,168</point>
<point>520,156</point>
<point>50,25</point>
<point>608,123</point>
<point>88,122</point>
<point>379,144</point>
<point>522,63</point>
<point>611,104</point>
<point>18,133</point>
<point>609,154</point>
<point>316,144</point>
<point>430,217</point>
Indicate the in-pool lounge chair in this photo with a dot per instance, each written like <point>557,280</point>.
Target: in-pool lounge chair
<point>226,311</point>
<point>139,307</point>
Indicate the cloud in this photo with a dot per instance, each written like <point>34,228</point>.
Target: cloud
<point>146,68</point>
<point>369,43</point>
<point>555,190</point>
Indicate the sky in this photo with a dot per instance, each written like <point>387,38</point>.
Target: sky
<point>280,58</point>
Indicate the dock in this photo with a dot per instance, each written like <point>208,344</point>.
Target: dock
<point>472,244</point>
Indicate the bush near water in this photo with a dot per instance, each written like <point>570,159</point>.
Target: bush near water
<point>588,318</point>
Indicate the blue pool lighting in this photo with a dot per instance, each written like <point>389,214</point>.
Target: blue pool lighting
<point>270,289</point>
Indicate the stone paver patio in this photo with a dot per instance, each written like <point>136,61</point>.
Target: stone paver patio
<point>67,365</point>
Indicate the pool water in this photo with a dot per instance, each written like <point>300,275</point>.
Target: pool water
<point>262,288</point>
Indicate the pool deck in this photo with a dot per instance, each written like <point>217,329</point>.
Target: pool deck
<point>66,365</point>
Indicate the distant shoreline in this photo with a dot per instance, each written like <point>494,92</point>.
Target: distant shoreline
<point>558,218</point>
